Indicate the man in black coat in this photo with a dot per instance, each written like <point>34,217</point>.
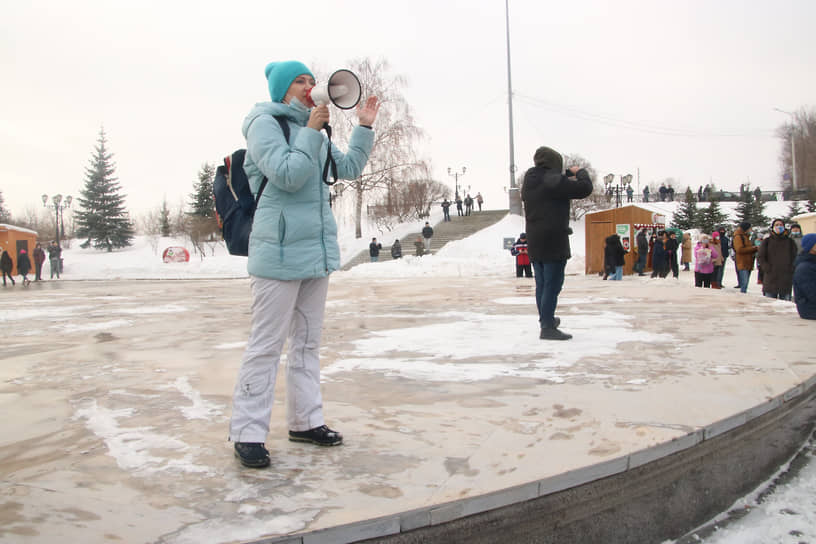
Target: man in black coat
<point>642,251</point>
<point>546,192</point>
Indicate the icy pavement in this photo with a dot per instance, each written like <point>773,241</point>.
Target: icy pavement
<point>116,397</point>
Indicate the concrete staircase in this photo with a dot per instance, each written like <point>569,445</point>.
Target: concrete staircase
<point>444,232</point>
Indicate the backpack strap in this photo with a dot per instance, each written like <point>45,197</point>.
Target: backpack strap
<point>285,128</point>
<point>329,160</point>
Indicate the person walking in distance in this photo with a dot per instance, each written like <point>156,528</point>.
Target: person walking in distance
<point>546,191</point>
<point>396,250</point>
<point>39,259</point>
<point>54,256</point>
<point>479,200</point>
<point>686,247</point>
<point>7,265</point>
<point>374,250</point>
<point>642,251</point>
<point>427,234</point>
<point>446,209</point>
<point>293,249</point>
<point>523,267</point>
<point>804,278</point>
<point>744,252</point>
<point>776,256</point>
<point>24,266</point>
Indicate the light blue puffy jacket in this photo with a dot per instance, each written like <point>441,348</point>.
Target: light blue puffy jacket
<point>294,234</point>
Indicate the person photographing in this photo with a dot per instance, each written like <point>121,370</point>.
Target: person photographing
<point>292,251</point>
<point>546,192</point>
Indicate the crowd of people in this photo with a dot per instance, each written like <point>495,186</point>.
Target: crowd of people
<point>776,255</point>
<point>464,207</point>
<point>25,265</point>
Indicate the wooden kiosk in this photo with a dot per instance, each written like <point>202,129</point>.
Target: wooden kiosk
<point>626,221</point>
<point>13,239</point>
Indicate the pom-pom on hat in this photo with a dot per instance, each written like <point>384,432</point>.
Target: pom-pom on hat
<point>279,75</point>
<point>808,241</point>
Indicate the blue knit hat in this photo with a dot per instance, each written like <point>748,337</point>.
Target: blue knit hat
<point>808,241</point>
<point>280,75</point>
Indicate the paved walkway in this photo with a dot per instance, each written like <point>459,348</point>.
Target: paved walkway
<point>116,395</point>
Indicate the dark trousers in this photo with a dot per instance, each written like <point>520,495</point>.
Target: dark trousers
<point>447,214</point>
<point>703,280</point>
<point>640,265</point>
<point>9,277</point>
<point>37,271</point>
<point>549,279</point>
<point>675,268</point>
<point>524,270</point>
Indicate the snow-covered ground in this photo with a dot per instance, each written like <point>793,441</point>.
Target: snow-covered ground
<point>786,515</point>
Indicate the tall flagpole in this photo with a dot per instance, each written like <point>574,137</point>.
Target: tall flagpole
<point>513,192</point>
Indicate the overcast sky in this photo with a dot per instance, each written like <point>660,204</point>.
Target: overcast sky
<point>675,89</point>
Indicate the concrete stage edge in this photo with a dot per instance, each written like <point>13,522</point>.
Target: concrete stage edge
<point>650,495</point>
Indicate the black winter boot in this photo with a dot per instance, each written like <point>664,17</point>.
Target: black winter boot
<point>554,334</point>
<point>252,454</point>
<point>322,436</point>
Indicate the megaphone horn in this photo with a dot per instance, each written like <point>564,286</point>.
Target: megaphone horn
<point>343,89</point>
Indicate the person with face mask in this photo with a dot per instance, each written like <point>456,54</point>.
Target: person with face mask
<point>796,236</point>
<point>776,256</point>
<point>704,256</point>
<point>292,251</point>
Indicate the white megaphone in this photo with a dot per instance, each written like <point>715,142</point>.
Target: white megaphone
<point>343,89</point>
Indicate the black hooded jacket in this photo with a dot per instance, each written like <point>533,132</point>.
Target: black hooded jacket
<point>614,254</point>
<point>546,193</point>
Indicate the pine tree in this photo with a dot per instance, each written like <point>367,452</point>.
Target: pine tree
<point>712,217</point>
<point>101,217</point>
<point>758,217</point>
<point>201,199</point>
<point>165,219</point>
<point>5,215</point>
<point>793,210</point>
<point>686,215</point>
<point>745,208</point>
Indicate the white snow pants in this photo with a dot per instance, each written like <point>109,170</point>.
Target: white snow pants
<point>280,310</point>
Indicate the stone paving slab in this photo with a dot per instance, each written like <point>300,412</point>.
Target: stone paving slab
<point>116,397</point>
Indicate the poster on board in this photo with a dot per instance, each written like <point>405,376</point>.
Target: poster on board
<point>625,233</point>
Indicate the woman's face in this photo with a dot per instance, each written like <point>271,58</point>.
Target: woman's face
<point>778,227</point>
<point>299,89</point>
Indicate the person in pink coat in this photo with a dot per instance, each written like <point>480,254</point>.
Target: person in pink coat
<point>705,254</point>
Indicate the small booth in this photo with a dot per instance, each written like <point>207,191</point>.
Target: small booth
<point>625,221</point>
<point>807,221</point>
<point>13,239</point>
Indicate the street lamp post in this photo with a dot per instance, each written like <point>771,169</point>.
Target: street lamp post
<point>456,175</point>
<point>609,179</point>
<point>793,147</point>
<point>59,205</point>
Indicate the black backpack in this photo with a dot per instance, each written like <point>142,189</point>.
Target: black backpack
<point>234,203</point>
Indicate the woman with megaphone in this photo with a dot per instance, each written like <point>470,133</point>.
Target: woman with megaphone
<point>292,250</point>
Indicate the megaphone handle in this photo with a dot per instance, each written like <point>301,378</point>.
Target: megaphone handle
<point>329,160</point>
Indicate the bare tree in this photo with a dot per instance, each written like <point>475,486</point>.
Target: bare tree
<point>393,158</point>
<point>802,131</point>
<point>595,201</point>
